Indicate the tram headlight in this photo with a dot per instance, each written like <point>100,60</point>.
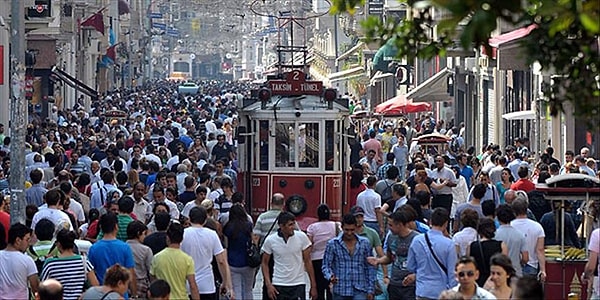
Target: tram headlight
<point>296,204</point>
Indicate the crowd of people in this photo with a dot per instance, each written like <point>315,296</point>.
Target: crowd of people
<point>147,207</point>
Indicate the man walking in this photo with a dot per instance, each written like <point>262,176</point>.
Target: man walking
<point>370,201</point>
<point>402,282</point>
<point>18,269</point>
<point>110,251</point>
<point>431,256</point>
<point>264,223</point>
<point>445,181</point>
<point>202,244</point>
<point>174,266</point>
<point>290,249</point>
<point>345,264</point>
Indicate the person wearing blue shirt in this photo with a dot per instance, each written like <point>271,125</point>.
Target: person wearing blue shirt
<point>110,251</point>
<point>465,170</point>
<point>431,256</point>
<point>345,264</point>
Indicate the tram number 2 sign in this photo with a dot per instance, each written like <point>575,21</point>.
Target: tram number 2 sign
<point>295,83</point>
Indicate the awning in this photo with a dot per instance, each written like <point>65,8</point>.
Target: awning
<point>434,89</point>
<point>519,115</point>
<point>400,105</point>
<point>507,50</point>
<point>74,83</point>
<point>350,52</point>
<point>346,74</point>
<point>385,55</point>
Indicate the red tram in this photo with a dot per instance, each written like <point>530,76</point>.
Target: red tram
<point>291,142</point>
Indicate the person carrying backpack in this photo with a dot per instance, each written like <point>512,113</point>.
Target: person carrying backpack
<point>44,247</point>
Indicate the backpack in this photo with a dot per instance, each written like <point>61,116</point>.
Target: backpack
<point>41,259</point>
<point>386,195</point>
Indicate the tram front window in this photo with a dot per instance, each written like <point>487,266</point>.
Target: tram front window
<point>285,145</point>
<point>308,145</point>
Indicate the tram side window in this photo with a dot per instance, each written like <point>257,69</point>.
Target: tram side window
<point>285,145</point>
<point>264,145</point>
<point>329,145</point>
<point>308,145</point>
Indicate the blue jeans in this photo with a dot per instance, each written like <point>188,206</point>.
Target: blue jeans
<point>374,226</point>
<point>530,271</point>
<point>357,296</point>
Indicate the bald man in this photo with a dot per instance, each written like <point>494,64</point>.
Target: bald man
<point>49,289</point>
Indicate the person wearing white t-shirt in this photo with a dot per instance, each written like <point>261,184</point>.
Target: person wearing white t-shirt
<point>534,239</point>
<point>592,263</point>
<point>290,249</point>
<point>202,244</point>
<point>17,270</point>
<point>53,213</point>
<point>370,201</point>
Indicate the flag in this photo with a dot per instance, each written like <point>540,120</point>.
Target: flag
<point>96,21</point>
<point>123,7</point>
<point>111,55</point>
<point>111,36</point>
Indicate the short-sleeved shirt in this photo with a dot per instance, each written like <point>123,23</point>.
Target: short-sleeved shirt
<point>398,247</point>
<point>202,244</point>
<point>461,207</point>
<point>106,253</point>
<point>59,218</point>
<point>122,221</point>
<point>173,266</point>
<point>289,263</point>
<point>265,222</point>
<point>515,241</point>
<point>595,247</point>
<point>464,238</point>
<point>532,231</point>
<point>15,268</point>
<point>372,236</point>
<point>70,272</point>
<point>441,175</point>
<point>320,232</point>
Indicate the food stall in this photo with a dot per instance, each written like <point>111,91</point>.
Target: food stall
<point>564,266</point>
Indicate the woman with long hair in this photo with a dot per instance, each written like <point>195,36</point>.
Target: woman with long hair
<point>501,274</point>
<point>70,269</point>
<point>356,185</point>
<point>116,283</point>
<point>506,179</point>
<point>319,234</point>
<point>485,247</point>
<point>238,231</point>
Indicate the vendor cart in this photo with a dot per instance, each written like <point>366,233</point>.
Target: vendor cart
<point>564,274</point>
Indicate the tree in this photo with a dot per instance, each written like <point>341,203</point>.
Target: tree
<point>565,40</point>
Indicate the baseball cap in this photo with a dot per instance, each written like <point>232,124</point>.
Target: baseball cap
<point>357,210</point>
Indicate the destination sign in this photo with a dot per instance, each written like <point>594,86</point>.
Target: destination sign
<point>295,84</point>
<point>282,87</point>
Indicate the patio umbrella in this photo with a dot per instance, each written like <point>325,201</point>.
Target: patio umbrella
<point>400,105</point>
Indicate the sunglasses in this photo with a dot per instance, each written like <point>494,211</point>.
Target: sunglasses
<point>468,273</point>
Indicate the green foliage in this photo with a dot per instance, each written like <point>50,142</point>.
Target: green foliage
<point>565,40</point>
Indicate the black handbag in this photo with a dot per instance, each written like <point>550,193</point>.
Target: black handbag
<point>254,257</point>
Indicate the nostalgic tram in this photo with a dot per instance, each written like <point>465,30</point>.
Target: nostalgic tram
<point>291,141</point>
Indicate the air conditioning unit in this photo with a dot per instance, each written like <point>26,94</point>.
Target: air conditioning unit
<point>95,46</point>
<point>484,62</point>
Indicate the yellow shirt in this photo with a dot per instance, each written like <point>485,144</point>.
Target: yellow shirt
<point>173,266</point>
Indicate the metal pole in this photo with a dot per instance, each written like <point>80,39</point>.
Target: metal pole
<point>18,114</point>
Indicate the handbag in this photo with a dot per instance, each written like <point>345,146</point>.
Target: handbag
<point>254,257</point>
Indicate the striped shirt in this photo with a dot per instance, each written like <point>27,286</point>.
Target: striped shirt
<point>69,271</point>
<point>264,223</point>
<point>123,222</point>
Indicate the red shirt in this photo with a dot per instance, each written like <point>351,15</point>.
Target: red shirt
<point>523,185</point>
<point>5,220</point>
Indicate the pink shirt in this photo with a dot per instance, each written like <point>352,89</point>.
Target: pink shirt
<point>320,233</point>
<point>595,247</point>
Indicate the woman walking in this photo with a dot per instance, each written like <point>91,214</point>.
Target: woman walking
<point>238,231</point>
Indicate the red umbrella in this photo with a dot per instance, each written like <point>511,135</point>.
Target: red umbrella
<point>400,105</point>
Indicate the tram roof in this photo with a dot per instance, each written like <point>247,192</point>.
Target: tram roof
<point>293,104</point>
